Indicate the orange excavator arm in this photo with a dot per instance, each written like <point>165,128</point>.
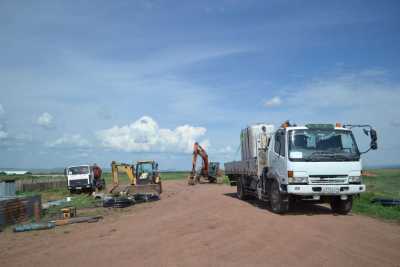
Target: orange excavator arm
<point>198,150</point>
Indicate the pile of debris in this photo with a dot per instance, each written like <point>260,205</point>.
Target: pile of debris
<point>69,217</point>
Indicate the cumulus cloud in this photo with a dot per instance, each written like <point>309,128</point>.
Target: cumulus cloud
<point>144,135</point>
<point>45,120</point>
<point>69,140</point>
<point>273,102</point>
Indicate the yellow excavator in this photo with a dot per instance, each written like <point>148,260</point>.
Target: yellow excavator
<point>144,178</point>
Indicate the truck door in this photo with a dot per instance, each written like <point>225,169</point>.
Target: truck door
<point>278,156</point>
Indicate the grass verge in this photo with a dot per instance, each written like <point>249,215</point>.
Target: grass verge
<point>382,183</point>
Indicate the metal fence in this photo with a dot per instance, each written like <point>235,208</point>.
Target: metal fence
<point>19,209</point>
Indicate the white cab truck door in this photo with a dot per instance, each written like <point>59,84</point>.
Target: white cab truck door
<point>277,157</point>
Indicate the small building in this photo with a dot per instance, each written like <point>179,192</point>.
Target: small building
<point>15,172</point>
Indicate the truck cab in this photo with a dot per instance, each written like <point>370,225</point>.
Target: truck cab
<point>79,178</point>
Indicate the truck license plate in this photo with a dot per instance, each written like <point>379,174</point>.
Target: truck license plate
<point>79,187</point>
<point>331,190</point>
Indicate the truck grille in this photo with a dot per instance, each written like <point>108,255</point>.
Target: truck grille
<point>78,182</point>
<point>328,179</point>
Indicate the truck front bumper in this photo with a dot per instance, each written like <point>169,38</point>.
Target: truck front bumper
<point>325,190</point>
<point>78,187</point>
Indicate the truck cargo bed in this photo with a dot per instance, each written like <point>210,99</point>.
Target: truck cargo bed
<point>245,167</point>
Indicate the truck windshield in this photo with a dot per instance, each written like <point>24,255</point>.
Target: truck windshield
<point>322,145</point>
<point>78,170</point>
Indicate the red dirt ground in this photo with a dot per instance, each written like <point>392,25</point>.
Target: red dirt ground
<point>206,225</point>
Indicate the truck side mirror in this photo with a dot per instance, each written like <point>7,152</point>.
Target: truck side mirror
<point>374,139</point>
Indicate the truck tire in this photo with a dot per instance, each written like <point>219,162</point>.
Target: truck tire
<point>342,207</point>
<point>279,202</point>
<point>241,194</point>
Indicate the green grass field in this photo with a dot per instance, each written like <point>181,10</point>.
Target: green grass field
<point>383,183</point>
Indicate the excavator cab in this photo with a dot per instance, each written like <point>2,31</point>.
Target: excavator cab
<point>147,172</point>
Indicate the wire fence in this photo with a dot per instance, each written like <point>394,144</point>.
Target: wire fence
<point>41,184</point>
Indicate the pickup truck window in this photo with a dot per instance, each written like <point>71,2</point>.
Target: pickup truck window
<point>322,145</point>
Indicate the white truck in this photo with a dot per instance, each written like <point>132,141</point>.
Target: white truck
<point>83,178</point>
<point>317,162</point>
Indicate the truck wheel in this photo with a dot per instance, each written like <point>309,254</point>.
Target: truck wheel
<point>240,190</point>
<point>342,206</point>
<point>279,202</point>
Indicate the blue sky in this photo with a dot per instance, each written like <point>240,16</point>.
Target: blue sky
<point>96,81</point>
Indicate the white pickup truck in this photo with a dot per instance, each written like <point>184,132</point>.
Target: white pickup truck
<point>317,162</point>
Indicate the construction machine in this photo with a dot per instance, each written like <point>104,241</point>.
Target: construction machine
<point>144,178</point>
<point>209,170</point>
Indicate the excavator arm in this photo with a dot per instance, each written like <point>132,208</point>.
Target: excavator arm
<point>199,151</point>
<point>123,168</point>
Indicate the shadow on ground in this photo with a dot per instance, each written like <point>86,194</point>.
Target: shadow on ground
<point>300,208</point>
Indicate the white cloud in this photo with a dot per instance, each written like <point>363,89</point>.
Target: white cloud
<point>45,120</point>
<point>144,135</point>
<point>69,140</point>
<point>273,102</point>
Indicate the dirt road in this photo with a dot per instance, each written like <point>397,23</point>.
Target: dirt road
<point>206,225</point>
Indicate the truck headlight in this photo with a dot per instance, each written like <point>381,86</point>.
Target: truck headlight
<point>354,179</point>
<point>298,180</point>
